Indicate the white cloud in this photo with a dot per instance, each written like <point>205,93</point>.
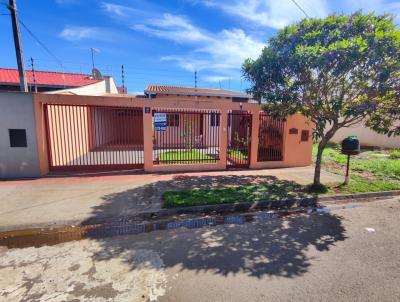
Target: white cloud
<point>270,13</point>
<point>76,33</point>
<point>215,79</point>
<point>65,2</point>
<point>116,9</point>
<point>171,27</point>
<point>277,14</point>
<point>223,51</point>
<point>219,55</point>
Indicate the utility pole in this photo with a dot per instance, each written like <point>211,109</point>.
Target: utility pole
<point>195,79</point>
<point>18,45</point>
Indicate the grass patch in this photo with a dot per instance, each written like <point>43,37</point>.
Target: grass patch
<point>381,164</point>
<point>238,154</point>
<point>270,192</point>
<point>245,193</point>
<point>186,156</point>
<point>371,171</point>
<point>361,185</point>
<point>394,154</point>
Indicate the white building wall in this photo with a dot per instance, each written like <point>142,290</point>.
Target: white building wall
<point>100,88</point>
<point>17,112</point>
<point>367,137</point>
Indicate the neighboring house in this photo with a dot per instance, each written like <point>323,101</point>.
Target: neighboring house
<point>205,94</point>
<point>368,138</point>
<point>49,81</point>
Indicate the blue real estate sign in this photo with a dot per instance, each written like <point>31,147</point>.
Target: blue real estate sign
<point>160,121</point>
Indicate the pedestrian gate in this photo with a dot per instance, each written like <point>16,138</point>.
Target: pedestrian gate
<point>239,139</point>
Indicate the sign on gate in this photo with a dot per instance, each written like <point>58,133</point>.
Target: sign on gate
<point>160,121</point>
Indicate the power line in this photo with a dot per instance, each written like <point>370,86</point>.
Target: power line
<point>300,8</point>
<point>41,44</point>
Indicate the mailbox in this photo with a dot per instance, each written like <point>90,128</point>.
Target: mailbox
<point>351,145</point>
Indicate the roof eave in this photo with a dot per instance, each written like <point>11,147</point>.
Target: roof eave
<point>226,95</point>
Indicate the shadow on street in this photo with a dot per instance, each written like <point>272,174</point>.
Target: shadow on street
<point>275,248</point>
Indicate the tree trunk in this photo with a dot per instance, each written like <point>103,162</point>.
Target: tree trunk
<point>318,163</point>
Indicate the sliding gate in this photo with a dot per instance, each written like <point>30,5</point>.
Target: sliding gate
<point>239,139</point>
<point>94,138</point>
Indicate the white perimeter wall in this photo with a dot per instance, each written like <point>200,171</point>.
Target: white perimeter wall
<point>16,112</point>
<point>367,137</point>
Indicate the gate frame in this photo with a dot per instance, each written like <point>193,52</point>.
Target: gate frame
<point>89,167</point>
<point>246,164</point>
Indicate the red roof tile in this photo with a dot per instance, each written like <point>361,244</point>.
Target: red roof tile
<point>47,78</point>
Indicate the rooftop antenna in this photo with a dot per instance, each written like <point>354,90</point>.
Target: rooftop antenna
<point>93,50</point>
<point>123,79</point>
<point>195,79</point>
<point>33,75</point>
<point>219,84</point>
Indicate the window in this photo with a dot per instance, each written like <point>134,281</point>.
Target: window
<point>173,119</point>
<point>214,120</point>
<point>17,138</point>
<point>304,135</point>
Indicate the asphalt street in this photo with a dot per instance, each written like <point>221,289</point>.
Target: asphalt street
<point>348,253</point>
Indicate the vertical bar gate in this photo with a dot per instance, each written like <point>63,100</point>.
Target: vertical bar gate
<point>189,137</point>
<point>239,139</point>
<point>270,138</point>
<point>94,138</point>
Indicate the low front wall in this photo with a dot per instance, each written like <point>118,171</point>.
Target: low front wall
<point>17,112</point>
<point>296,151</point>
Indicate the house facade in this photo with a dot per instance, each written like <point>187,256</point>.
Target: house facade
<point>154,132</point>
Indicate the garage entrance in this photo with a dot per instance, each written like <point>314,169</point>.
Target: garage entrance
<point>94,138</point>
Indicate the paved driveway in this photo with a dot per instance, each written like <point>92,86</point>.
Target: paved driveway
<point>349,254</point>
<point>71,200</point>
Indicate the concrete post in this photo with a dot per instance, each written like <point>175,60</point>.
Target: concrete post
<point>148,139</point>
<point>223,139</point>
<point>255,124</point>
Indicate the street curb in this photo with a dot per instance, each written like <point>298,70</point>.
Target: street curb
<point>208,209</point>
<point>243,207</point>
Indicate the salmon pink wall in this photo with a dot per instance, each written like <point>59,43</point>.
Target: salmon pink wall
<point>296,151</point>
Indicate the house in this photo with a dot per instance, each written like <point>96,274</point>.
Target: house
<point>166,129</point>
<point>50,81</point>
<point>368,138</point>
<point>205,94</point>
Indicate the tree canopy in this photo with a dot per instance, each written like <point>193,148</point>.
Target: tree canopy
<point>337,71</point>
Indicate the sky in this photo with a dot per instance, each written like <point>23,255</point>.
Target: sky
<point>160,42</point>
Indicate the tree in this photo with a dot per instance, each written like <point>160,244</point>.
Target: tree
<point>338,71</point>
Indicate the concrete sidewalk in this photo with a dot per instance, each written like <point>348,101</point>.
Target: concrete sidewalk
<point>60,201</point>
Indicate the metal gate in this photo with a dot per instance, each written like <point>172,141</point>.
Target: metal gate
<point>270,138</point>
<point>239,139</point>
<point>94,138</point>
<point>187,137</point>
